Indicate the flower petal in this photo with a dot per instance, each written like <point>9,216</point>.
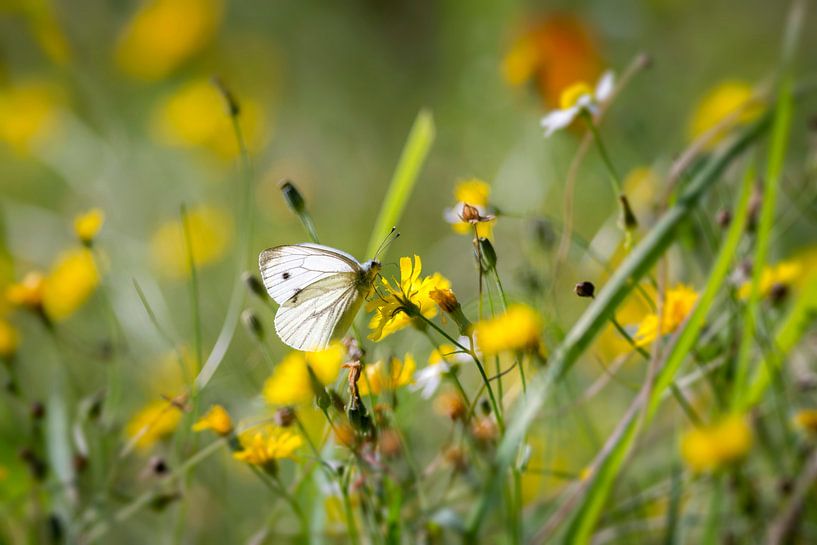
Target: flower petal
<point>558,119</point>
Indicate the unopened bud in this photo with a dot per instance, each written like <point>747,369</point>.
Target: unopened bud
<point>389,443</point>
<point>450,405</point>
<point>484,430</point>
<point>253,324</point>
<point>778,293</point>
<point>293,197</point>
<point>488,253</point>
<point>627,219</point>
<point>254,285</point>
<point>585,289</point>
<point>233,108</point>
<point>321,396</point>
<point>158,466</point>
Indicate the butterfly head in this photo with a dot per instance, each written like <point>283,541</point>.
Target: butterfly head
<point>371,268</point>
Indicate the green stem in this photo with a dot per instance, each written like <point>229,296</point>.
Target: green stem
<point>612,174</point>
<point>194,287</point>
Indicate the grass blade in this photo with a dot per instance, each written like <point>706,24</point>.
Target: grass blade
<point>405,176</point>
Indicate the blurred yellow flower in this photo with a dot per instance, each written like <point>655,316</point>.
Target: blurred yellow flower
<point>9,339</point>
<point>216,419</point>
<point>445,353</point>
<point>45,26</point>
<point>406,300</point>
<point>641,187</point>
<point>28,292</point>
<point>152,423</point>
<point>781,274</point>
<point>554,52</point>
<point>211,230</point>
<point>163,34</point>
<point>383,376</point>
<point>516,329</point>
<point>289,383</point>
<point>711,447</point>
<point>679,302</point>
<point>264,445</point>
<point>476,193</point>
<point>87,225</point>
<point>806,420</point>
<point>29,114</point>
<point>195,116</point>
<point>724,100</point>
<point>71,281</point>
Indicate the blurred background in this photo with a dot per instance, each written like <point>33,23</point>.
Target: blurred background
<point>110,105</point>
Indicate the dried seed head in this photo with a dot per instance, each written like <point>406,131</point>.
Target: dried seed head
<point>389,443</point>
<point>469,214</point>
<point>445,299</point>
<point>285,416</point>
<point>484,430</point>
<point>585,289</point>
<point>456,457</point>
<point>450,405</point>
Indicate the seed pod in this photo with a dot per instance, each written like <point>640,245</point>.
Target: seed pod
<point>293,197</point>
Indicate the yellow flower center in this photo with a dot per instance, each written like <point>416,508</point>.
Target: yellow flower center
<point>571,95</point>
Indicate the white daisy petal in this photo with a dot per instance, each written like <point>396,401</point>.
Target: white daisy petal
<point>558,119</point>
<point>605,86</point>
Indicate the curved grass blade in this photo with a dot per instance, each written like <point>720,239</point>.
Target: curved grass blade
<point>414,154</point>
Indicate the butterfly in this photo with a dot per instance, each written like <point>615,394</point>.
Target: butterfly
<point>319,290</point>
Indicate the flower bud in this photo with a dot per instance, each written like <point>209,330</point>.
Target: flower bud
<point>488,253</point>
<point>321,396</point>
<point>627,219</point>
<point>253,324</point>
<point>293,197</point>
<point>469,214</point>
<point>233,107</point>
<point>450,405</point>
<point>723,218</point>
<point>449,304</point>
<point>254,285</point>
<point>585,289</point>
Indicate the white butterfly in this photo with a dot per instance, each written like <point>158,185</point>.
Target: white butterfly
<point>319,290</point>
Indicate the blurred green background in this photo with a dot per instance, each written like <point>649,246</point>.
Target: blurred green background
<point>109,105</point>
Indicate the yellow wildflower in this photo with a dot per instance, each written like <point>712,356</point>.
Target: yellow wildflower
<point>679,302</point>
<point>216,419</point>
<point>152,423</point>
<point>29,114</point>
<point>445,353</point>
<point>264,445</point>
<point>72,280</point>
<point>28,292</point>
<point>195,116</point>
<point>88,225</point>
<point>723,101</point>
<point>553,53</point>
<point>781,274</point>
<point>516,329</point>
<point>806,420</point>
<point>711,447</point>
<point>163,34</point>
<point>289,383</point>
<point>9,339</point>
<point>406,300</point>
<point>211,230</point>
<point>381,377</point>
<point>473,192</point>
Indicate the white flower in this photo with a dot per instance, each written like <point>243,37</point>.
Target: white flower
<point>428,379</point>
<point>575,99</point>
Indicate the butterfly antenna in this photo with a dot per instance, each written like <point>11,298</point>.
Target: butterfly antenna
<point>388,239</point>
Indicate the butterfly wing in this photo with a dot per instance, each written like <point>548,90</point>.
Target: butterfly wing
<point>316,314</point>
<point>286,270</point>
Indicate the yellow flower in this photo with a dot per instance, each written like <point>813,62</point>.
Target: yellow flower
<point>88,225</point>
<point>806,420</point>
<point>9,339</point>
<point>474,192</point>
<point>553,53</point>
<point>195,116</point>
<point>211,230</point>
<point>216,419</point>
<point>679,302</point>
<point>381,377</point>
<point>28,292</point>
<point>263,446</point>
<point>445,353</point>
<point>72,280</point>
<point>29,114</point>
<point>516,329</point>
<point>711,447</point>
<point>152,423</point>
<point>289,383</point>
<point>406,300</point>
<point>163,34</point>
<point>782,274</point>
<point>724,100</point>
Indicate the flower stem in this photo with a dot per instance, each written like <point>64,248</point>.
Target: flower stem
<point>615,180</point>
